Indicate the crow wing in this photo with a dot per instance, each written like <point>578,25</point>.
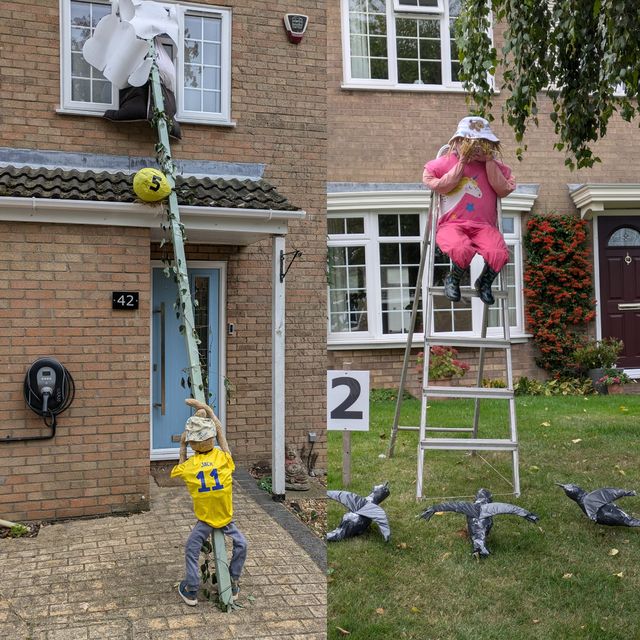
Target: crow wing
<point>598,498</point>
<point>468,509</point>
<point>502,508</point>
<point>377,514</point>
<point>352,501</point>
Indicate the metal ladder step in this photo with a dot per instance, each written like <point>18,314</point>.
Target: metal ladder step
<point>469,444</point>
<point>456,429</point>
<point>467,392</point>
<point>470,342</point>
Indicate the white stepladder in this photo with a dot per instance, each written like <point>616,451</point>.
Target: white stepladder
<point>483,342</point>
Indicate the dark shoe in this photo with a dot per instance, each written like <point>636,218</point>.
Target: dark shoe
<point>190,597</point>
<point>235,589</point>
<point>452,283</point>
<point>484,282</point>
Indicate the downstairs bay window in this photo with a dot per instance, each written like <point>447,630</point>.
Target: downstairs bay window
<point>373,261</point>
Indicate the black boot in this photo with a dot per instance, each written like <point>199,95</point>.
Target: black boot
<point>483,284</point>
<point>452,282</point>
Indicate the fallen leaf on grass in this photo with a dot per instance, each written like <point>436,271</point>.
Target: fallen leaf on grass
<point>445,555</point>
<point>439,513</point>
<point>624,409</point>
<point>534,468</point>
<point>535,621</point>
<point>613,552</point>
<point>619,575</point>
<point>545,424</point>
<point>625,542</point>
<point>401,545</point>
<point>251,598</point>
<point>577,440</point>
<point>568,576</point>
<point>382,456</point>
<point>344,632</point>
<point>415,610</point>
<point>380,611</point>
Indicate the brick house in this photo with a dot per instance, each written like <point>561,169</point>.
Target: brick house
<point>394,100</point>
<point>252,159</point>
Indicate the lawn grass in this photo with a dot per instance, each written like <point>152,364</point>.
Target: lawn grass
<point>553,580</point>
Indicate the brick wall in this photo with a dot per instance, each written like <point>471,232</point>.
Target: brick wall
<point>279,107</point>
<point>387,136</point>
<point>55,300</point>
<point>385,365</point>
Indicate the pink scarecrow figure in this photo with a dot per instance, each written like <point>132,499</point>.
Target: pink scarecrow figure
<point>470,180</point>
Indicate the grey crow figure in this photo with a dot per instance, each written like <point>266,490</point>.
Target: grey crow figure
<point>599,505</point>
<point>362,511</point>
<point>480,516</point>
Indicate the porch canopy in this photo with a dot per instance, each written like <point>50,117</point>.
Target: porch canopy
<point>599,199</point>
<point>220,203</point>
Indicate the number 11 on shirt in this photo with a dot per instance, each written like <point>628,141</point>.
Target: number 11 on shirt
<point>204,487</point>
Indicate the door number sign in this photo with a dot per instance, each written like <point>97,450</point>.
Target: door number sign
<point>124,300</point>
<point>348,400</point>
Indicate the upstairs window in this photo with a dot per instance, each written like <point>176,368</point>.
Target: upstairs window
<point>202,59</point>
<point>404,44</point>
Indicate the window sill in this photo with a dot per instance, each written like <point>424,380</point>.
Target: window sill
<point>385,343</point>
<point>420,88</point>
<point>181,120</point>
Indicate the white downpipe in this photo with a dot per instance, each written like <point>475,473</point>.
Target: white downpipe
<point>277,372</point>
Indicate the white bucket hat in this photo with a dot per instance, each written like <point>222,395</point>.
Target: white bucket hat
<point>474,127</point>
<point>199,429</point>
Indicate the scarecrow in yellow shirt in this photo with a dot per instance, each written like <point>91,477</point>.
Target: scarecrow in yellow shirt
<point>207,475</point>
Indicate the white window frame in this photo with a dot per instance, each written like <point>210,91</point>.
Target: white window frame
<point>69,106</point>
<point>392,11</point>
<point>399,7</point>
<point>369,206</point>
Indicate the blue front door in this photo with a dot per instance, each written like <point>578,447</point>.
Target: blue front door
<point>169,354</point>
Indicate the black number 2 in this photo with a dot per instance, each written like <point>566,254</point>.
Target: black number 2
<point>340,412</point>
<point>156,183</point>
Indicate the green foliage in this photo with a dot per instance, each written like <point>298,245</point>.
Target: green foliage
<point>558,289</point>
<point>569,387</point>
<point>383,395</point>
<point>493,383</point>
<point>266,484</point>
<point>207,571</point>
<point>18,530</point>
<point>578,54</point>
<point>598,354</point>
<point>443,364</point>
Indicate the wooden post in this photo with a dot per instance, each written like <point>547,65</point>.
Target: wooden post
<point>346,446</point>
<point>277,372</point>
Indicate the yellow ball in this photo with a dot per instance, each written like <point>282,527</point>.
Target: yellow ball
<point>151,185</point>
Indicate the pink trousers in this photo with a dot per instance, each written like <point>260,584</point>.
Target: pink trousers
<point>462,240</point>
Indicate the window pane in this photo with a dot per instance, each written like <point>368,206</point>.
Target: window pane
<point>389,254</point>
<point>455,6</point>
<point>429,29</point>
<point>430,49</point>
<point>508,224</point>
<point>388,225</point>
<point>367,36</point>
<point>409,225</point>
<point>449,316</point>
<point>355,225</point>
<point>211,101</point>
<point>411,253</point>
<point>431,73</point>
<point>193,27</point>
<point>347,289</point>
<point>81,90</point>
<point>408,72</point>
<point>509,274</point>
<point>335,225</point>
<point>212,28</point>
<point>201,318</point>
<point>211,54</point>
<point>625,237</point>
<point>407,47</point>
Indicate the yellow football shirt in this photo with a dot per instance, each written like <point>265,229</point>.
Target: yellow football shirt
<point>208,479</point>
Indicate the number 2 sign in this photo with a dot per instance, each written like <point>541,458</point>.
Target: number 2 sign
<point>348,400</point>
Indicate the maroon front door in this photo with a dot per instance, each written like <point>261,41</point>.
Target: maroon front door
<point>619,246</point>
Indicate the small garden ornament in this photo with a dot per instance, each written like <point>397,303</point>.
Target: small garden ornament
<point>598,505</point>
<point>480,517</point>
<point>361,512</point>
<point>470,179</point>
<point>207,475</point>
<point>296,477</point>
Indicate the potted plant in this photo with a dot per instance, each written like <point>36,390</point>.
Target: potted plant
<point>595,356</point>
<point>443,364</point>
<point>614,380</point>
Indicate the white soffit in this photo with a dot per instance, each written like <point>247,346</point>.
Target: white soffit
<point>208,225</point>
<point>596,199</point>
<point>413,199</point>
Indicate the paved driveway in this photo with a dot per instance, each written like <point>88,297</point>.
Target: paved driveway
<point>117,577</point>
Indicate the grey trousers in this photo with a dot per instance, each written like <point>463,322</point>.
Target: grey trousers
<point>198,535</point>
